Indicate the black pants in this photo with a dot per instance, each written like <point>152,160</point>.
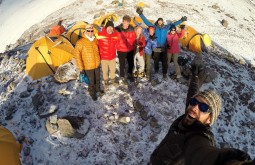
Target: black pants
<point>160,56</point>
<point>123,56</point>
<point>94,80</point>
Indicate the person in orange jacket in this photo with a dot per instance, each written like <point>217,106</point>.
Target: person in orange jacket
<point>88,60</point>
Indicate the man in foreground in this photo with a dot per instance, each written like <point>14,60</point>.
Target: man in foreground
<point>189,140</point>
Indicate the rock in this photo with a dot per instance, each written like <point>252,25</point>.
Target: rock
<point>138,105</point>
<point>44,112</point>
<point>10,110</point>
<point>64,92</point>
<point>38,100</point>
<point>66,129</point>
<point>153,138</point>
<point>155,82</point>
<point>65,73</point>
<point>24,94</point>
<point>124,119</point>
<point>230,59</point>
<point>26,151</point>
<point>251,106</point>
<point>96,16</point>
<point>154,122</point>
<point>144,115</point>
<point>51,128</point>
<point>99,2</point>
<point>215,6</point>
<point>224,23</point>
<point>241,62</point>
<point>53,119</point>
<point>30,87</point>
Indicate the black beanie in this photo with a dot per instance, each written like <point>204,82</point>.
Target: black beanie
<point>160,19</point>
<point>109,23</point>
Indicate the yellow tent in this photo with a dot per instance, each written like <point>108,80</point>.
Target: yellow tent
<point>46,54</point>
<point>9,148</point>
<point>194,41</point>
<point>76,32</point>
<point>101,21</point>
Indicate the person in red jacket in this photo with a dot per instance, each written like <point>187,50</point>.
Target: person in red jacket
<point>173,48</point>
<point>125,47</point>
<point>139,53</point>
<point>107,41</point>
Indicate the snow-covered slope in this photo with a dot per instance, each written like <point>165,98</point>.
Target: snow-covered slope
<point>18,16</point>
<point>108,141</point>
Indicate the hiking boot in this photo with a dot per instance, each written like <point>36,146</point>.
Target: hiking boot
<point>114,82</point>
<point>164,76</point>
<point>106,82</point>
<point>141,74</point>
<point>135,74</point>
<point>123,81</point>
<point>93,96</point>
<point>100,93</point>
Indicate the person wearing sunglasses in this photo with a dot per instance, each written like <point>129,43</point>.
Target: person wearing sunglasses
<point>173,49</point>
<point>190,140</point>
<point>161,30</point>
<point>88,60</point>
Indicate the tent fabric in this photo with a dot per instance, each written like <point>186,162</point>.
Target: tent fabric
<point>76,32</point>
<point>57,30</point>
<point>46,54</point>
<point>101,21</point>
<point>194,41</point>
<point>9,148</point>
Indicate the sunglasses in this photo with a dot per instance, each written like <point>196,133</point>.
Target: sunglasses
<point>90,30</point>
<point>202,106</point>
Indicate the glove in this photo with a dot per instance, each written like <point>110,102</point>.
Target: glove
<point>184,18</point>
<point>182,26</point>
<point>82,76</point>
<point>197,65</point>
<point>139,10</point>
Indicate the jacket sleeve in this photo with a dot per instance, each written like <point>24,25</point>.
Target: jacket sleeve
<point>142,42</point>
<point>145,20</point>
<point>181,34</point>
<point>78,56</point>
<point>193,88</point>
<point>177,22</point>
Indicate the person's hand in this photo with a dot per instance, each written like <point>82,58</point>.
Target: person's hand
<point>82,76</point>
<point>184,18</point>
<point>139,10</point>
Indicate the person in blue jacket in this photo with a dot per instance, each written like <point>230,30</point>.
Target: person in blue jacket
<point>161,33</point>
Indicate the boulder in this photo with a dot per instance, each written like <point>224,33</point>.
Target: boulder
<point>138,105</point>
<point>224,23</point>
<point>24,94</point>
<point>124,119</point>
<point>47,111</point>
<point>67,130</point>
<point>38,100</point>
<point>65,73</point>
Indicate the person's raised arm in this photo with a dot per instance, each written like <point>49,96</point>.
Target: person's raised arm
<point>139,10</point>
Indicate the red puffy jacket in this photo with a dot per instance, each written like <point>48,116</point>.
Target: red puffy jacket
<point>126,38</point>
<point>107,44</point>
<point>173,41</point>
<point>141,44</point>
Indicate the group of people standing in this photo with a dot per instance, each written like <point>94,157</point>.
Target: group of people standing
<point>134,45</point>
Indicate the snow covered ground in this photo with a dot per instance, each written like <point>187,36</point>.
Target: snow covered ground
<point>108,141</point>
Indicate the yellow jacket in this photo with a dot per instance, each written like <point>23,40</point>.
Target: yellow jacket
<point>87,54</point>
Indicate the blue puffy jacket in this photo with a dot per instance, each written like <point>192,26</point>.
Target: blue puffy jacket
<point>151,42</point>
<point>161,32</point>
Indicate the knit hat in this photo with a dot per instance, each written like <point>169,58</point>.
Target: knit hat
<point>160,19</point>
<point>109,23</point>
<point>173,27</point>
<point>214,101</point>
<point>151,27</point>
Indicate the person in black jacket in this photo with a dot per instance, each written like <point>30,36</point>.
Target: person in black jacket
<point>189,140</point>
